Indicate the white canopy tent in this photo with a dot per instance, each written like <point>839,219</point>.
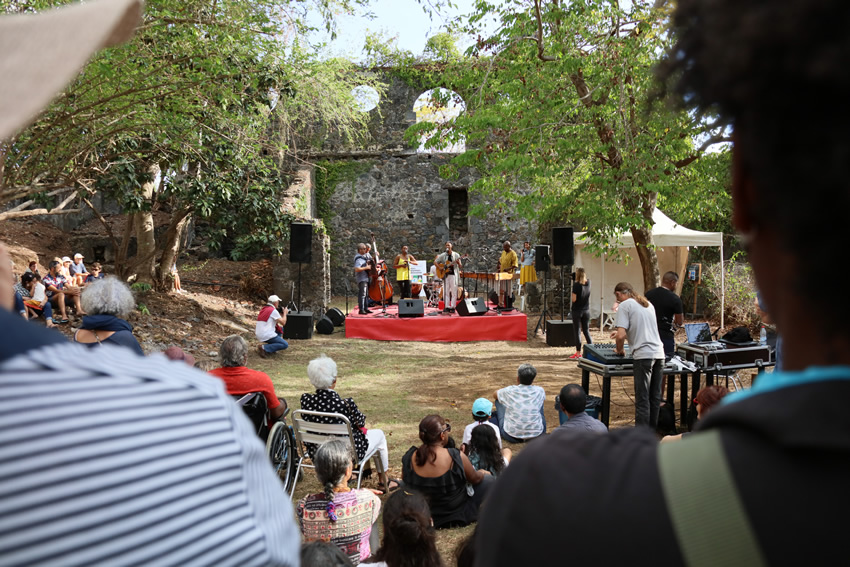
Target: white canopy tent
<point>672,241</point>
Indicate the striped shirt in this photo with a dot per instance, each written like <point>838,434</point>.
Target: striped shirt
<point>118,459</point>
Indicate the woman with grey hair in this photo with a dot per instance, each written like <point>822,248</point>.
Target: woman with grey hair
<point>107,301</point>
<point>340,514</point>
<point>322,372</point>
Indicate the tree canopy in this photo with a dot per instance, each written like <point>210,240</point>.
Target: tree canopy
<point>561,99</point>
<point>194,116</point>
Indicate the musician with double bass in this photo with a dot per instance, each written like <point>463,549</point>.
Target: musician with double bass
<point>449,263</point>
<point>402,264</point>
<point>361,274</point>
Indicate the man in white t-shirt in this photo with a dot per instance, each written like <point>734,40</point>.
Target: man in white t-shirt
<point>269,329</point>
<point>519,408</point>
<point>636,322</point>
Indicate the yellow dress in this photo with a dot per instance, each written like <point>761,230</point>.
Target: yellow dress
<point>527,273</point>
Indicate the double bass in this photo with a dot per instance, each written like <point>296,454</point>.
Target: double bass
<point>380,288</point>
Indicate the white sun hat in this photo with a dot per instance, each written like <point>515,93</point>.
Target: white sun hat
<point>41,53</point>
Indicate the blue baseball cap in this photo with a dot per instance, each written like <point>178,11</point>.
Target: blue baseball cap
<point>482,407</point>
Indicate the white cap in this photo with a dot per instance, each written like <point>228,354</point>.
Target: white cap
<point>41,53</point>
<point>273,299</point>
<point>78,255</point>
<point>65,259</point>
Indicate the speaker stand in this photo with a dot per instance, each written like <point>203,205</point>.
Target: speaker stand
<point>545,311</point>
<point>299,287</point>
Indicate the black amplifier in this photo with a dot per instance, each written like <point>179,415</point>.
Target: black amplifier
<point>604,353</point>
<point>727,354</point>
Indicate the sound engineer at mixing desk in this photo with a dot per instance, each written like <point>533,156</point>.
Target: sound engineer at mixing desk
<point>636,322</point>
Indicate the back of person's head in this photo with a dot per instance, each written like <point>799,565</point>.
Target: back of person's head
<point>322,372</point>
<point>526,374</point>
<point>332,460</point>
<point>628,289</point>
<point>670,278</point>
<point>482,408</point>
<point>431,429</point>
<point>772,56</point>
<point>108,296</point>
<point>581,276</point>
<point>27,278</point>
<point>710,396</point>
<point>573,398</point>
<point>409,538</point>
<point>233,351</point>
<point>323,554</point>
<point>465,550</point>
<point>483,442</point>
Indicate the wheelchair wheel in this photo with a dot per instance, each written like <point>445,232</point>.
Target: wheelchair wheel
<point>280,448</point>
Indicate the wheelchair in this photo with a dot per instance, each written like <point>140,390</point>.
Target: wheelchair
<point>279,440</point>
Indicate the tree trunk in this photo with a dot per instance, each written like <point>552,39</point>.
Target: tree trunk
<point>645,245</point>
<point>171,245</point>
<point>145,237</point>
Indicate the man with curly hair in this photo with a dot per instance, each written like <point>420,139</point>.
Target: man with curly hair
<point>765,466</point>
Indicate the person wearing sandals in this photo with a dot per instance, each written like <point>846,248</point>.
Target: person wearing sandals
<point>322,372</point>
<point>106,303</point>
<point>444,475</point>
<point>339,514</point>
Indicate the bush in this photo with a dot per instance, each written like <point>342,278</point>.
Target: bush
<point>740,307</point>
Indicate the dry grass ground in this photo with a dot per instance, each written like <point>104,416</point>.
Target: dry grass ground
<point>396,384</point>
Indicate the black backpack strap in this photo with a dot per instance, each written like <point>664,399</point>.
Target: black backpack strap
<point>708,517</point>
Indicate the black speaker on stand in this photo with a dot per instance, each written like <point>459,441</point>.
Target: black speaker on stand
<point>563,247</point>
<point>301,251</point>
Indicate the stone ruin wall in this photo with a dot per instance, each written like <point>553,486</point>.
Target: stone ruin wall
<point>400,197</point>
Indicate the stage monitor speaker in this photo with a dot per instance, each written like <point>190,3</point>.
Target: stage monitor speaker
<point>325,326</point>
<point>541,258</point>
<point>411,308</point>
<point>470,307</point>
<point>336,316</point>
<point>300,243</point>
<point>299,325</point>
<point>560,333</point>
<point>563,252</point>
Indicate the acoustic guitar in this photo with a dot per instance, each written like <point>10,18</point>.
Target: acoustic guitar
<point>443,268</point>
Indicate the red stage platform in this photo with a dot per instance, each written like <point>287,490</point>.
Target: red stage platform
<point>436,326</point>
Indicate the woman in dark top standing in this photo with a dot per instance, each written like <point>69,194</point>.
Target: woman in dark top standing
<point>581,309</point>
<point>442,475</point>
<point>107,302</point>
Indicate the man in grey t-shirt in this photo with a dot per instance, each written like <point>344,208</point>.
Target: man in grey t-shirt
<point>636,322</point>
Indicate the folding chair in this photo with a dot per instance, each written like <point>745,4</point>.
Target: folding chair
<point>318,433</point>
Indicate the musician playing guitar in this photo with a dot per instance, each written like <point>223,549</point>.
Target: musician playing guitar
<point>508,263</point>
<point>448,263</point>
<point>402,264</point>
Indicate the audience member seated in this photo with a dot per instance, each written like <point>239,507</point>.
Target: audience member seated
<point>323,554</point>
<point>442,475</point>
<point>240,380</point>
<point>58,290</point>
<point>519,408</point>
<point>34,296</point>
<point>322,372</point>
<point>65,269</point>
<point>409,537</point>
<point>484,452</point>
<point>573,401</point>
<point>33,267</point>
<point>78,270</point>
<point>482,410</point>
<point>706,399</point>
<point>339,514</point>
<point>177,353</point>
<point>107,303</point>
<point>96,273</point>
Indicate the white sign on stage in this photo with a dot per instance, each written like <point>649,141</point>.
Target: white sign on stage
<point>417,272</point>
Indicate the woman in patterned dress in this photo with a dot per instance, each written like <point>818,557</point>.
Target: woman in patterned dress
<point>339,514</point>
<point>322,372</point>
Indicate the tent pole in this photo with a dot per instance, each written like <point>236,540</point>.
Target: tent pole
<point>722,284</point>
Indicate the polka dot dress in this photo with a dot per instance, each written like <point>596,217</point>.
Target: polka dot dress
<point>327,400</point>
